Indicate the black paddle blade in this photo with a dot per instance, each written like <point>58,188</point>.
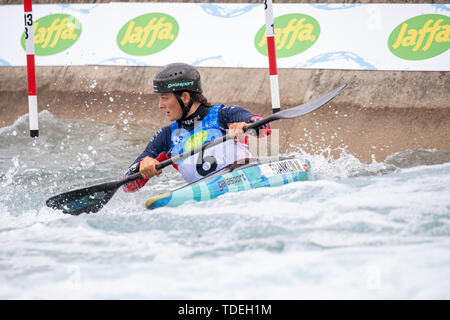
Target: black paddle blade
<point>85,200</point>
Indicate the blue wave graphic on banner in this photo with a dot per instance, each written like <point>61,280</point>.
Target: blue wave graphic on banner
<point>198,62</point>
<point>4,63</point>
<point>441,7</point>
<point>335,56</point>
<point>69,7</point>
<point>334,6</point>
<point>121,61</point>
<point>227,11</point>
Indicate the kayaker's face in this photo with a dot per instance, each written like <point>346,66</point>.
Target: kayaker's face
<point>170,105</point>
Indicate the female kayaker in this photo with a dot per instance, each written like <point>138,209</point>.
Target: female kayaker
<point>195,122</point>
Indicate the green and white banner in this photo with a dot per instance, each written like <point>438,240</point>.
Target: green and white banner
<point>329,36</point>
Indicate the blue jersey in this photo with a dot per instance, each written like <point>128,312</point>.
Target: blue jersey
<point>161,141</point>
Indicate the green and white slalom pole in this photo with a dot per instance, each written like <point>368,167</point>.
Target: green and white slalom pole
<point>274,88</point>
<point>29,45</point>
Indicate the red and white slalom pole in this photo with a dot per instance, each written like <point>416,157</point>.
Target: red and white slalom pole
<point>29,45</point>
<point>274,89</point>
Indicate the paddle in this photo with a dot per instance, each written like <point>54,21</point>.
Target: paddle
<point>92,199</point>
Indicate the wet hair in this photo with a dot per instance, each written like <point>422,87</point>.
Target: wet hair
<point>198,97</point>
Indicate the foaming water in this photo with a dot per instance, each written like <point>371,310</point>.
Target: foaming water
<point>358,230</point>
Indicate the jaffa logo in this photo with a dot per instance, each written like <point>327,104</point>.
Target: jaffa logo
<point>147,34</point>
<point>54,34</point>
<point>196,140</point>
<point>294,33</point>
<point>421,37</point>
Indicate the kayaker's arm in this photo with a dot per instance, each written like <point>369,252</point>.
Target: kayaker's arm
<point>157,148</point>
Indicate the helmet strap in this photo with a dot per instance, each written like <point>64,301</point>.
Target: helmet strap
<point>184,108</point>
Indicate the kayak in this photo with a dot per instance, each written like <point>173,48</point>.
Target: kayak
<point>251,174</point>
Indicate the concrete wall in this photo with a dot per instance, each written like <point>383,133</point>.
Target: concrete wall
<point>379,113</point>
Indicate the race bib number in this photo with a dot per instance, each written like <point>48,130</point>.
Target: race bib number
<point>282,167</point>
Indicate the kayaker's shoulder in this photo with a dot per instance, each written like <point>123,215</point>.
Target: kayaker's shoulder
<point>233,113</point>
<point>162,132</point>
<point>229,107</point>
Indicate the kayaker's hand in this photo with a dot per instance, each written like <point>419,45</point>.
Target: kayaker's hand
<point>147,168</point>
<point>235,130</point>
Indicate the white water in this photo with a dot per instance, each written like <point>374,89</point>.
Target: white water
<point>359,231</point>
